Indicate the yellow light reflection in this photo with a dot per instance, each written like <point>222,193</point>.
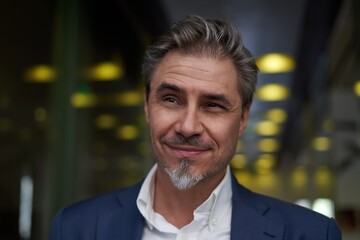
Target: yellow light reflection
<point>40,114</point>
<point>275,63</point>
<point>267,128</point>
<point>277,115</point>
<point>299,177</point>
<point>129,98</point>
<point>265,163</point>
<point>321,144</point>
<point>105,121</point>
<point>265,181</point>
<point>243,177</point>
<point>106,71</point>
<point>40,73</point>
<point>268,145</point>
<point>83,100</point>
<point>272,92</point>
<point>239,161</point>
<point>357,88</point>
<point>323,176</point>
<point>127,132</point>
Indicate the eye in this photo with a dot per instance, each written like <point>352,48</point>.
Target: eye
<point>170,100</point>
<point>213,105</point>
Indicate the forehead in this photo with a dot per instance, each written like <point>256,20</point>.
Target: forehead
<point>198,72</point>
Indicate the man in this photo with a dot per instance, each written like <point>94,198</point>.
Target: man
<point>199,81</point>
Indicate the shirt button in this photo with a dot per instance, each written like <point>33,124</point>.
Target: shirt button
<point>214,221</point>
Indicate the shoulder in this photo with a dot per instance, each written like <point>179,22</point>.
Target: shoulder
<point>297,220</point>
<point>288,211</point>
<point>82,217</point>
<point>105,202</point>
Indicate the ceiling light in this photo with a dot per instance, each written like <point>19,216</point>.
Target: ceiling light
<point>40,73</point>
<point>323,177</point>
<point>321,144</point>
<point>83,97</point>
<point>127,132</point>
<point>272,92</point>
<point>275,63</point>
<point>267,128</point>
<point>106,71</point>
<point>265,162</point>
<point>277,115</point>
<point>105,121</point>
<point>83,100</point>
<point>357,88</point>
<point>268,145</point>
<point>129,98</point>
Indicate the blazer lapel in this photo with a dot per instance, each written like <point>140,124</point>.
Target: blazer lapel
<point>125,222</point>
<point>249,219</point>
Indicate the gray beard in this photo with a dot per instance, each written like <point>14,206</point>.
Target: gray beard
<point>180,177</point>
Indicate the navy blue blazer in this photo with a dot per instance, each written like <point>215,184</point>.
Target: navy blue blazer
<point>115,216</point>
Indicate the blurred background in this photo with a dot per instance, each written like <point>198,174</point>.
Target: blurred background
<point>71,105</point>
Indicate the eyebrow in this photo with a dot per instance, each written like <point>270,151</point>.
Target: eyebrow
<point>168,86</point>
<point>210,96</point>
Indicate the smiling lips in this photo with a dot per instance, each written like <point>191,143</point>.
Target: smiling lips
<point>187,151</point>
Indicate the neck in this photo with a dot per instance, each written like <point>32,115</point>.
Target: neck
<point>177,206</point>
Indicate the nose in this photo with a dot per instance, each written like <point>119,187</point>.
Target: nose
<point>189,123</point>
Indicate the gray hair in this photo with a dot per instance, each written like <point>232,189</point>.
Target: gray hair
<point>201,37</point>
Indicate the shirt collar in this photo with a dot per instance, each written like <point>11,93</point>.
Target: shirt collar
<point>145,198</point>
<point>219,202</point>
<point>215,207</point>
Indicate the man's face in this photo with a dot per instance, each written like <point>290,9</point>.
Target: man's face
<point>195,117</point>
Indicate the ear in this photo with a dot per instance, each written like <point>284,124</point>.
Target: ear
<point>244,120</point>
<point>146,111</point>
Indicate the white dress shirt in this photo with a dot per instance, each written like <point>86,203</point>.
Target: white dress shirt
<point>212,219</point>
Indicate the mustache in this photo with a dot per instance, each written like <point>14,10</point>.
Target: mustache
<point>193,141</point>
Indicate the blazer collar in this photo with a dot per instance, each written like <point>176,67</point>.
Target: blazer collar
<point>249,216</point>
<point>125,222</point>
<point>249,220</point>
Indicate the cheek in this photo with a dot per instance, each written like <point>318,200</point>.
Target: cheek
<point>224,129</point>
<point>159,122</point>
<point>226,134</point>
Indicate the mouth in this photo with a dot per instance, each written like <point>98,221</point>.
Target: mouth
<point>187,151</point>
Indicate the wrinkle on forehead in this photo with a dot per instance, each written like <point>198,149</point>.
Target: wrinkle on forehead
<point>196,68</point>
